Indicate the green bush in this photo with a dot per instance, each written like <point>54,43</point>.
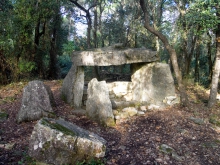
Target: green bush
<point>65,64</point>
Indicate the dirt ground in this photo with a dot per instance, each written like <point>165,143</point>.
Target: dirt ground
<point>170,136</point>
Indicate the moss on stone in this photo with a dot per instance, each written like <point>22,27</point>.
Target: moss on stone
<point>59,127</point>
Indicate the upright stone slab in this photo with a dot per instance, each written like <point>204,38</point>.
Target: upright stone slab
<point>98,105</point>
<point>36,102</point>
<point>72,88</point>
<point>60,142</point>
<point>152,83</point>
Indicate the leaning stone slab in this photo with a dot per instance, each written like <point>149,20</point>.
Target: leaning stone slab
<point>72,88</point>
<point>61,142</point>
<point>36,103</point>
<point>98,105</point>
<point>152,83</point>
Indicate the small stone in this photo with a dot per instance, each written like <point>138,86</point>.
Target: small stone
<point>124,115</point>
<point>143,108</point>
<point>130,110</point>
<point>117,117</point>
<point>166,149</point>
<point>140,113</point>
<point>177,157</point>
<point>115,112</point>
<point>197,120</point>
<point>152,107</point>
<point>159,160</point>
<point>9,146</point>
<point>158,139</point>
<point>122,147</point>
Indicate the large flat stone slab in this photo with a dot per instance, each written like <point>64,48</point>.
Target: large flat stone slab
<point>61,142</point>
<point>113,55</point>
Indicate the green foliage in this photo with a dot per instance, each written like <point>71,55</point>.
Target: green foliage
<point>65,64</point>
<point>202,14</point>
<point>26,66</point>
<point>69,47</point>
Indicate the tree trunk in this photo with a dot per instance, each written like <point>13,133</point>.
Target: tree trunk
<point>95,24</point>
<point>89,28</point>
<point>209,47</point>
<point>216,71</point>
<point>172,52</point>
<point>37,54</point>
<point>196,80</point>
<point>53,69</point>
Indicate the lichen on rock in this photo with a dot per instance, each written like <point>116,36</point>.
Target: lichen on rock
<point>60,142</point>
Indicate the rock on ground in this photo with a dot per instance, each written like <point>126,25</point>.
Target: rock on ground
<point>72,88</point>
<point>98,105</point>
<point>37,102</point>
<point>152,83</point>
<point>61,142</point>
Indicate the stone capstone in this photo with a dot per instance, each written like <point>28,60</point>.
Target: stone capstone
<point>72,88</point>
<point>152,83</point>
<point>61,142</point>
<point>113,55</point>
<point>36,103</point>
<point>98,105</point>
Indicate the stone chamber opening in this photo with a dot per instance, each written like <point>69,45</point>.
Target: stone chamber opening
<point>117,77</point>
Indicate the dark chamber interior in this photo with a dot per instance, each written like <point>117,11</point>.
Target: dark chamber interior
<point>108,73</point>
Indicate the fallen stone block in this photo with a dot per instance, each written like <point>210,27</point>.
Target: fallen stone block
<point>61,142</point>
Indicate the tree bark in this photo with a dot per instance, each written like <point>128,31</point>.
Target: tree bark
<point>216,71</point>
<point>88,19</point>
<point>196,80</point>
<point>37,54</point>
<point>172,52</point>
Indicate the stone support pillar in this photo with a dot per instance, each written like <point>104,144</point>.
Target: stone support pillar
<point>72,89</point>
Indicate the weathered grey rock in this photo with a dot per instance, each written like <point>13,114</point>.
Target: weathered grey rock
<point>130,110</point>
<point>197,120</point>
<point>140,113</point>
<point>143,108</point>
<point>171,100</point>
<point>122,104</point>
<point>72,88</point>
<point>36,102</point>
<point>98,105</point>
<point>113,55</point>
<point>152,83</point>
<point>152,107</point>
<point>124,115</point>
<point>60,142</point>
<point>169,150</point>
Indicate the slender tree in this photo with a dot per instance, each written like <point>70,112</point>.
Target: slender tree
<point>216,71</point>
<point>88,19</point>
<point>170,49</point>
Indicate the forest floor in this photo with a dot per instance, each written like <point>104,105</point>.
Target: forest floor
<point>175,135</point>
